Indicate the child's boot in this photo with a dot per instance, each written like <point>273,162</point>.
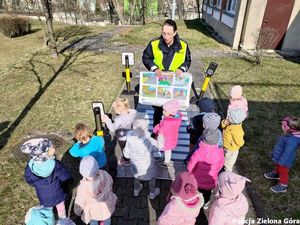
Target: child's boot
<point>136,192</point>
<point>153,195</point>
<point>271,175</point>
<point>279,188</point>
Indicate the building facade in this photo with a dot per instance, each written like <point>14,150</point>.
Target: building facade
<point>241,23</point>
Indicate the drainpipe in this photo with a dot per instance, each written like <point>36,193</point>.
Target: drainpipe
<point>246,15</point>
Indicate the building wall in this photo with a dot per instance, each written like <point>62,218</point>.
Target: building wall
<point>252,24</point>
<point>292,37</point>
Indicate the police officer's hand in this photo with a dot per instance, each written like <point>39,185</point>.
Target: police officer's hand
<point>178,72</point>
<point>158,72</point>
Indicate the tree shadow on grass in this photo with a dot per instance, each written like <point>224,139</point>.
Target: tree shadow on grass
<point>69,59</point>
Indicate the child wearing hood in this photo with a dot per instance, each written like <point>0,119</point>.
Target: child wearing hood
<point>95,200</point>
<point>230,206</point>
<point>233,136</point>
<point>88,144</point>
<point>122,124</point>
<point>206,163</point>
<point>185,202</point>
<point>168,129</point>
<point>237,101</point>
<point>140,148</point>
<point>40,215</point>
<point>284,153</point>
<point>46,174</point>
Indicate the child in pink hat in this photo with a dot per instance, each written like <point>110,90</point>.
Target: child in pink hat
<point>230,206</point>
<point>237,101</point>
<point>168,128</point>
<point>185,202</point>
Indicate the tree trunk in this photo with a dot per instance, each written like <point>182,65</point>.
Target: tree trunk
<point>119,10</point>
<point>199,8</point>
<point>111,11</point>
<point>132,9</point>
<point>47,6</point>
<point>144,11</point>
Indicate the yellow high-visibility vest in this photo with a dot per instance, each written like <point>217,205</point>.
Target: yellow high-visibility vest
<point>178,58</point>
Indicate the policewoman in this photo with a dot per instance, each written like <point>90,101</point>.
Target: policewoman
<point>166,53</point>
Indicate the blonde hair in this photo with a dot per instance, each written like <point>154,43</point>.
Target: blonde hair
<point>120,103</point>
<point>82,132</point>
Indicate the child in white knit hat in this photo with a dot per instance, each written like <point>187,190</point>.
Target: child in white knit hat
<point>237,101</point>
<point>140,148</point>
<point>95,200</point>
<point>168,128</point>
<point>233,136</point>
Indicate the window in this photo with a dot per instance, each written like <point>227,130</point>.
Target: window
<point>230,7</point>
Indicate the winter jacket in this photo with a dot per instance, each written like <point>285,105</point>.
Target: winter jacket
<point>122,124</point>
<point>230,206</point>
<point>95,148</point>
<point>168,54</point>
<point>49,190</point>
<point>240,103</point>
<point>169,129</point>
<point>140,151</point>
<point>95,199</point>
<point>205,164</point>
<point>233,136</point>
<point>284,152</point>
<point>177,212</point>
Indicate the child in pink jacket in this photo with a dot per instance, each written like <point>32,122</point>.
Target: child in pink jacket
<point>168,128</point>
<point>206,163</point>
<point>95,200</point>
<point>237,101</point>
<point>185,202</point>
<point>231,205</point>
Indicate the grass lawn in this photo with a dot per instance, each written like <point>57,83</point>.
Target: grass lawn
<point>13,49</point>
<point>193,31</point>
<point>42,94</point>
<point>273,91</point>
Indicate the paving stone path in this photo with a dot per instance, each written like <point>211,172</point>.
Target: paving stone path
<point>140,210</point>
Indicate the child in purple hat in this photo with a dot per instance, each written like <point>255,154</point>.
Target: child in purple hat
<point>168,128</point>
<point>185,202</point>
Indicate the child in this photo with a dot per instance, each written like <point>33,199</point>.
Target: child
<point>87,144</point>
<point>195,129</point>
<point>284,153</point>
<point>209,121</point>
<point>40,216</point>
<point>233,136</point>
<point>206,163</point>
<point>237,101</point>
<point>140,147</point>
<point>185,202</point>
<point>122,124</point>
<point>230,206</point>
<point>46,174</point>
<point>95,200</point>
<point>168,128</point>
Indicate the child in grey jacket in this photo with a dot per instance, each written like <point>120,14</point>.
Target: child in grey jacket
<point>122,124</point>
<point>140,148</point>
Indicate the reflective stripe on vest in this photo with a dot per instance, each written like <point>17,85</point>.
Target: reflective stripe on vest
<point>178,58</point>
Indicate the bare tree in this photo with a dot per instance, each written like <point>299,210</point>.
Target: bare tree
<point>44,7</point>
<point>132,9</point>
<point>119,10</point>
<point>144,11</point>
<point>264,38</point>
<point>199,4</point>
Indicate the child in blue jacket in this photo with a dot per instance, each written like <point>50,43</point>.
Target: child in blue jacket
<point>88,145</point>
<point>284,153</point>
<point>46,174</point>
